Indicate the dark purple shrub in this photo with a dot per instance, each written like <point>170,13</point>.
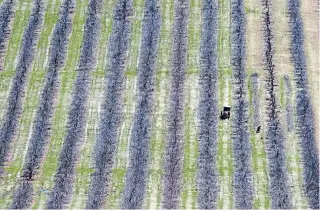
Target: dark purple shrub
<point>278,184</point>
<point>172,179</point>
<point>243,184</point>
<point>137,172</point>
<point>16,97</point>
<point>7,12</point>
<point>289,108</point>
<point>305,116</point>
<point>61,194</point>
<point>111,110</point>
<point>42,125</point>
<point>25,194</point>
<point>207,179</point>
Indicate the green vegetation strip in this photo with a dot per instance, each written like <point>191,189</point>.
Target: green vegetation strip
<point>189,193</point>
<point>224,152</point>
<point>259,163</point>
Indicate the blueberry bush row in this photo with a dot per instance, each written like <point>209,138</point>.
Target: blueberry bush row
<point>278,183</point>
<point>40,136</point>
<point>243,183</point>
<point>61,194</point>
<point>289,108</point>
<point>111,111</point>
<point>172,178</point>
<point>10,122</point>
<point>207,179</point>
<point>305,117</point>
<point>7,13</point>
<point>137,172</point>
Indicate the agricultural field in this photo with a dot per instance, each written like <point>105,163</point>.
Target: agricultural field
<point>119,104</point>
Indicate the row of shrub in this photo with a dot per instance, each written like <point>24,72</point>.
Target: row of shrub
<point>7,13</point>
<point>242,177</point>
<point>172,178</point>
<point>305,117</point>
<point>111,110</point>
<point>61,193</point>
<point>279,189</point>
<point>207,179</point>
<point>10,121</point>
<point>137,170</point>
<point>40,136</point>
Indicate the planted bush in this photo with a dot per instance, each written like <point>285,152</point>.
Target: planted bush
<point>289,108</point>
<point>23,197</point>
<point>172,179</point>
<point>111,110</point>
<point>7,13</point>
<point>137,171</point>
<point>207,178</point>
<point>61,194</point>
<point>42,124</point>
<point>242,180</point>
<point>10,122</point>
<point>305,116</point>
<point>278,184</point>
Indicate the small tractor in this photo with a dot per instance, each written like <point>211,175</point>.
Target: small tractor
<point>225,113</point>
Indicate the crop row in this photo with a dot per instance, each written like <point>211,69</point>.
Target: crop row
<point>289,108</point>
<point>42,124</point>
<point>172,178</point>
<point>278,183</point>
<point>111,111</point>
<point>7,13</point>
<point>243,183</point>
<point>207,178</point>
<point>137,171</point>
<point>16,97</point>
<point>61,194</point>
<point>305,116</point>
